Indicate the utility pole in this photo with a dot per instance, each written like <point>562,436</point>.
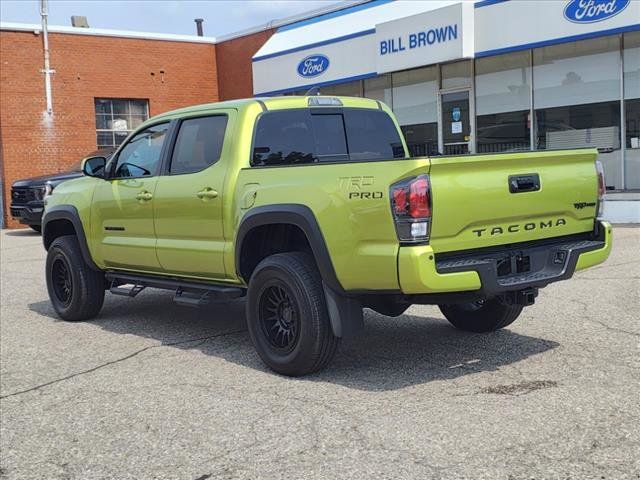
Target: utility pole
<point>47,69</point>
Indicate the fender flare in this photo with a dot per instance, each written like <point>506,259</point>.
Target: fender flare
<point>345,312</point>
<point>70,213</point>
<point>293,214</point>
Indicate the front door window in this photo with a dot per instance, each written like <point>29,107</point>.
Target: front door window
<point>140,157</point>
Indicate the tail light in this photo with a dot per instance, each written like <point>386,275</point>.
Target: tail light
<point>411,209</point>
<point>601,188</point>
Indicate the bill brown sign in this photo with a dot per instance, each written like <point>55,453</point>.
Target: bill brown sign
<point>427,38</point>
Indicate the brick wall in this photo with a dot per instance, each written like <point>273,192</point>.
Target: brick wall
<point>86,67</point>
<point>234,64</point>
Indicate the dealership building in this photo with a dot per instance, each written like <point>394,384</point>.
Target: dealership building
<point>481,77</point>
<point>462,77</point>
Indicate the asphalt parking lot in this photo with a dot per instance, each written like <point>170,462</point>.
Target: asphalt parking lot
<point>155,390</point>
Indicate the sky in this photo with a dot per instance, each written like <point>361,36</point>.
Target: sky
<point>162,16</point>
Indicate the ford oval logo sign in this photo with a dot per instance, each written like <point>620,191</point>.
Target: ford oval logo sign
<point>313,65</point>
<point>589,11</point>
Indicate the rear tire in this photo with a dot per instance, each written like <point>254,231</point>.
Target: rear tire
<point>36,228</point>
<point>287,315</point>
<point>480,317</point>
<point>75,289</point>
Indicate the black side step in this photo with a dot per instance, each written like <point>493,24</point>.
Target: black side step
<point>187,293</point>
<point>191,299</point>
<point>116,289</point>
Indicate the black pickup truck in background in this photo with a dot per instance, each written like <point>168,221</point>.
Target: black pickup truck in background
<point>27,195</point>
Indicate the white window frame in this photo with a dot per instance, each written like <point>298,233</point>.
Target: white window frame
<point>113,131</point>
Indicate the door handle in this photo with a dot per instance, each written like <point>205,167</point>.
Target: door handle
<point>144,196</point>
<point>207,193</point>
<point>524,183</point>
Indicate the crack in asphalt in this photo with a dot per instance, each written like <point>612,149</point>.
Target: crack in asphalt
<point>602,323</point>
<point>122,359</point>
<point>614,329</point>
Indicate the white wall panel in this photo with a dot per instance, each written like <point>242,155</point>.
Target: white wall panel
<point>353,57</point>
<point>519,22</point>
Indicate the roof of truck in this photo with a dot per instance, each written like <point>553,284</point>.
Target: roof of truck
<point>269,103</point>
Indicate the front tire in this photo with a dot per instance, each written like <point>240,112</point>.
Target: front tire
<point>287,315</point>
<point>482,316</point>
<point>75,289</point>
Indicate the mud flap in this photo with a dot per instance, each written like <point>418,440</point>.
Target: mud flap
<point>345,313</point>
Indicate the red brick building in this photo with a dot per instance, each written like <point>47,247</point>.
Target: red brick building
<point>96,73</point>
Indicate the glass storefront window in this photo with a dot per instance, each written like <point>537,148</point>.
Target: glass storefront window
<point>503,132</point>
<point>457,74</point>
<point>503,86</point>
<point>631,61</point>
<point>349,89</point>
<point>577,100</point>
<point>577,73</point>
<point>577,126</point>
<point>379,88</point>
<point>416,107</point>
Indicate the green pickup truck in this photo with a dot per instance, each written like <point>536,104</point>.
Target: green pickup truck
<point>313,209</point>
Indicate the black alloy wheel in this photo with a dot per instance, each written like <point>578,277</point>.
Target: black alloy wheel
<point>61,280</point>
<point>279,317</point>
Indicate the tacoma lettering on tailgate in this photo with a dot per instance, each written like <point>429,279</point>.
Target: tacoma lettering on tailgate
<point>516,227</point>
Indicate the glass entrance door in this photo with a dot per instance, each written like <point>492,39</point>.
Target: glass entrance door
<point>455,120</point>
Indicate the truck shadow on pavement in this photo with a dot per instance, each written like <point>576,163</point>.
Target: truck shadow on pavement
<point>390,354</point>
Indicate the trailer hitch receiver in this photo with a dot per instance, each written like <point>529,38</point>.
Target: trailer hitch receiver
<point>524,297</point>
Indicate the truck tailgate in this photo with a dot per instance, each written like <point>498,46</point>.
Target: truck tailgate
<point>496,199</point>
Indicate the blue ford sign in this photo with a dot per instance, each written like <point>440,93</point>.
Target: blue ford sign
<point>313,65</point>
<point>589,11</point>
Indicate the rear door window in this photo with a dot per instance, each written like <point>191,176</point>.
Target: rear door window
<point>284,137</point>
<point>291,137</point>
<point>199,144</point>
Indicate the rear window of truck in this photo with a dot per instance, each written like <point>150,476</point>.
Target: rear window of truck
<point>292,137</point>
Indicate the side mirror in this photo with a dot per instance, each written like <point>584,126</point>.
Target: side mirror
<point>94,166</point>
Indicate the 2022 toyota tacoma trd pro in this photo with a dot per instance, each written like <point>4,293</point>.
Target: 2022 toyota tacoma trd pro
<point>312,208</point>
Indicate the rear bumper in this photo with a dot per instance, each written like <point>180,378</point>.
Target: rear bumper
<point>498,270</point>
<point>28,214</point>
